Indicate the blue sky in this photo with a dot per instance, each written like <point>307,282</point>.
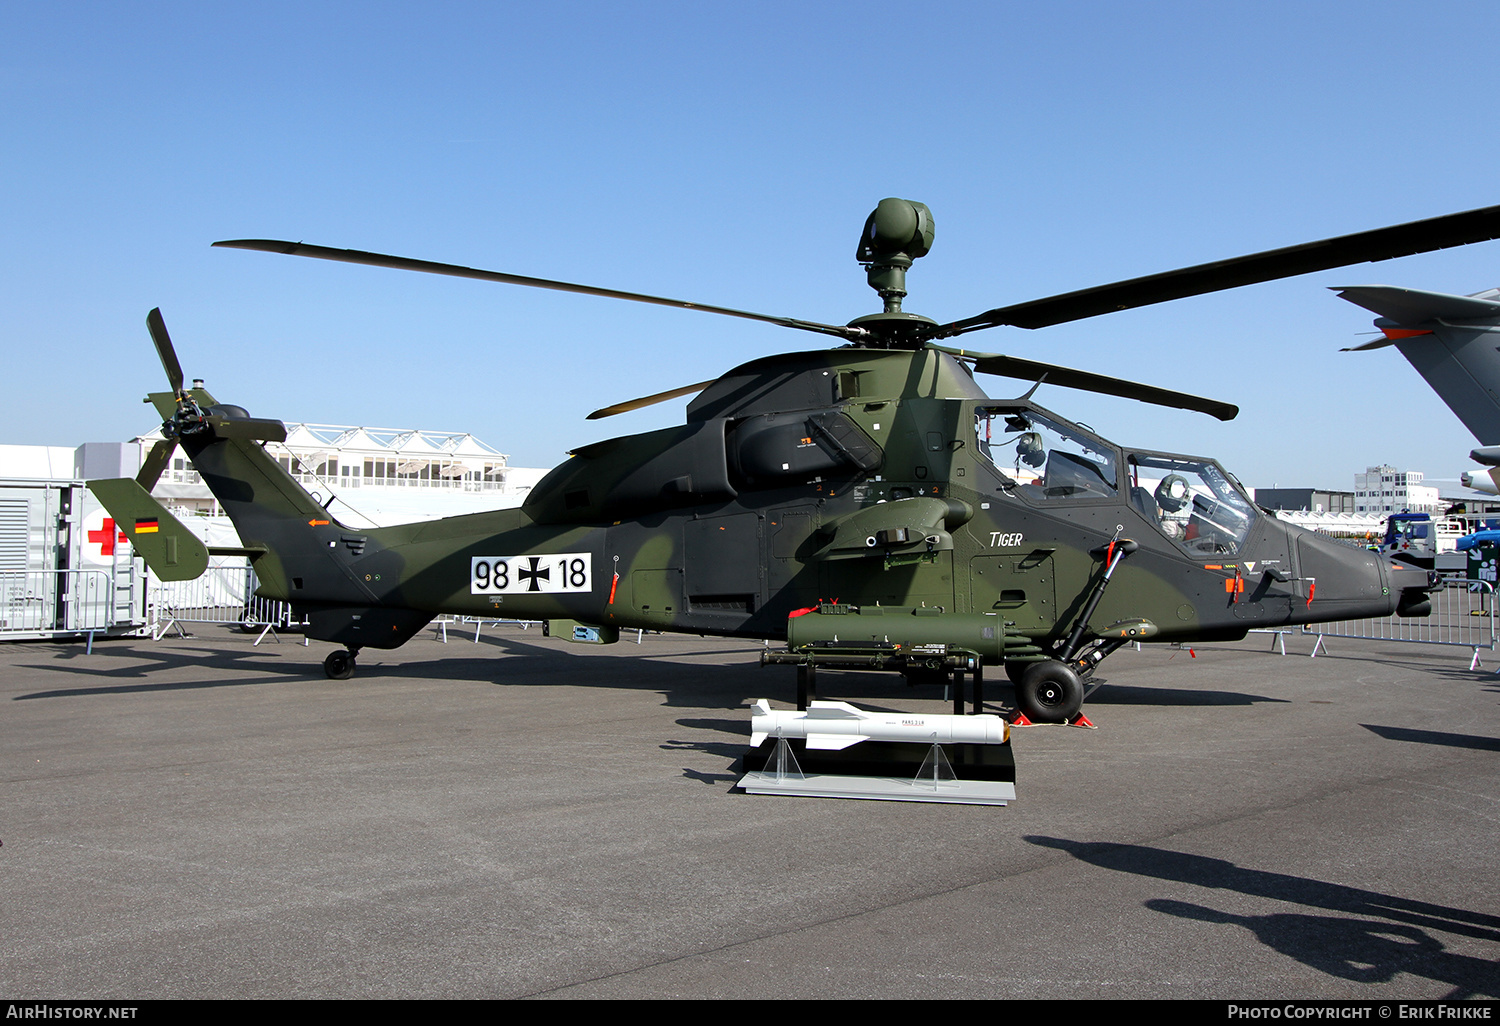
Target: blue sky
<point>727,154</point>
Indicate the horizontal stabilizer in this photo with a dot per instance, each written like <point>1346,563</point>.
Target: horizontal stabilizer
<point>1481,481</point>
<point>1365,347</point>
<point>1448,339</point>
<point>171,551</point>
<point>1413,307</point>
<point>255,429</point>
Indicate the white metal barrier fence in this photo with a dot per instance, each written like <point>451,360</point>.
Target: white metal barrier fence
<point>440,625</point>
<point>225,593</point>
<point>33,601</point>
<point>1463,616</point>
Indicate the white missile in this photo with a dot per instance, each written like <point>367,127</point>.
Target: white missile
<point>835,725</point>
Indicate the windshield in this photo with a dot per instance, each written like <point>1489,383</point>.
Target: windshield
<point>1405,530</point>
<point>1191,501</point>
<point>1045,460</point>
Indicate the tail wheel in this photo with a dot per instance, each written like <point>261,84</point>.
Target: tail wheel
<point>339,665</point>
<point>1049,692</point>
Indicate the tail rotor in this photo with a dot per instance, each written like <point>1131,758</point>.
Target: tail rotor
<point>188,418</point>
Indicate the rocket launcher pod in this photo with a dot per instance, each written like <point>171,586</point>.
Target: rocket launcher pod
<point>907,630</point>
<point>836,725</point>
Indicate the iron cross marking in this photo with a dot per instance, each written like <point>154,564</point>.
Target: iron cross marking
<point>530,575</point>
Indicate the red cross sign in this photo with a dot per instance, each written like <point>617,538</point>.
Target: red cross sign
<point>105,536</point>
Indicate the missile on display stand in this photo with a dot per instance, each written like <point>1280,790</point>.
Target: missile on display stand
<point>836,725</point>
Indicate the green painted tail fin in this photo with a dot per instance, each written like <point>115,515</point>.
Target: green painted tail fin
<point>171,551</point>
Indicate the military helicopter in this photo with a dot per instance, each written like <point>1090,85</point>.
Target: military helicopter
<point>868,504</point>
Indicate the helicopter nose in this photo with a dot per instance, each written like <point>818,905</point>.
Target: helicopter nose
<point>1347,583</point>
<point>1413,587</point>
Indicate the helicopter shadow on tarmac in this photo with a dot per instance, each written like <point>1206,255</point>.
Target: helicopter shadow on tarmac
<point>1389,937</point>
<point>729,751</point>
<point>678,675</point>
<point>1136,694</point>
<point>1435,737</point>
<point>150,662</point>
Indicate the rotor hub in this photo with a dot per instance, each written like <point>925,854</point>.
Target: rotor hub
<point>895,329</point>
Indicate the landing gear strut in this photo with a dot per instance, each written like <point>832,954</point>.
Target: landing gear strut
<point>340,665</point>
<point>1052,690</point>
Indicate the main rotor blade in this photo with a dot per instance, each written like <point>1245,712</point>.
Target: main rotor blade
<point>1399,240</point>
<point>156,462</point>
<point>158,329</point>
<point>356,256</point>
<point>1032,370</point>
<point>649,400</point>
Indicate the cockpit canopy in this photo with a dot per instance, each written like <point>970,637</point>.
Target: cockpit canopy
<point>1192,501</point>
<point>1044,461</point>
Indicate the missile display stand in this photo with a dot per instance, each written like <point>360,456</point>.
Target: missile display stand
<point>835,750</point>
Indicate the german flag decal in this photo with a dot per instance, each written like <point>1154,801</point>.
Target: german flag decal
<point>146,525</point>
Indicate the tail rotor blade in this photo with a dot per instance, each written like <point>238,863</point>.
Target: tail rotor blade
<point>158,329</point>
<point>156,462</point>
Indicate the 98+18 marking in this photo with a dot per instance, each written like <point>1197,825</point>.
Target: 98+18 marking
<point>549,573</point>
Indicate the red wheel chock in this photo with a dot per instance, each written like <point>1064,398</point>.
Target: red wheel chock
<point>1018,719</point>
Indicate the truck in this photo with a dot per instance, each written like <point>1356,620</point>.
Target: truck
<point>1424,541</point>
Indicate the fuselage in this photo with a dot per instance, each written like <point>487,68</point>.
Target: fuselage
<point>869,477</point>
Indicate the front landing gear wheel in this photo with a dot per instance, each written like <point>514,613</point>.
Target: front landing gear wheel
<point>339,665</point>
<point>1049,692</point>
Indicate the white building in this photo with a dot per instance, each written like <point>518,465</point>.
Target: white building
<point>375,476</point>
<point>1384,489</point>
<point>1361,527</point>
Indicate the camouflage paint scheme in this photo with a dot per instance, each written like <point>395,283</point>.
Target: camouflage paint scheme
<point>854,502</point>
<point>852,475</point>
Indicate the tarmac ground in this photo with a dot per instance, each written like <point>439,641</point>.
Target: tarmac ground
<point>523,817</point>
